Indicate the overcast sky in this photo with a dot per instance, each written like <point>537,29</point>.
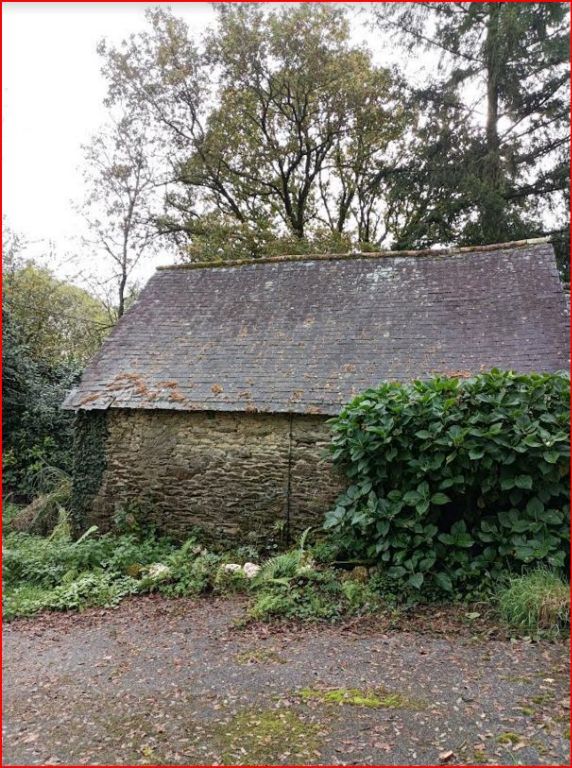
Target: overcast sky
<point>52,103</point>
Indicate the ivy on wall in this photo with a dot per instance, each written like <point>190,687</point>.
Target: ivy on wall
<point>89,462</point>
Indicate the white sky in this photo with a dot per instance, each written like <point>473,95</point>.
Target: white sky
<point>52,103</point>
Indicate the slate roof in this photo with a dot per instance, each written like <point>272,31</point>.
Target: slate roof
<point>305,334</point>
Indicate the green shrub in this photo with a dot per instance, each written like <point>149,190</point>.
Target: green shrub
<point>537,601</point>
<point>454,482</point>
<point>36,432</point>
<point>194,570</point>
<point>23,600</point>
<point>317,594</point>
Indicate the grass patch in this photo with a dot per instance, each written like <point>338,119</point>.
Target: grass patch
<point>377,698</point>
<point>261,737</point>
<point>526,711</point>
<point>542,698</point>
<point>536,602</point>
<point>517,678</point>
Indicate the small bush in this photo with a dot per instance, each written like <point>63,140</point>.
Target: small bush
<point>537,601</point>
<point>455,482</point>
<point>292,586</point>
<point>318,594</point>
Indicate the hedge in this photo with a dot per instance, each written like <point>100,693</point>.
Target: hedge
<point>454,482</point>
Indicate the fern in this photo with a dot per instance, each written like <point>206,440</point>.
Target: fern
<point>288,565</point>
<point>280,566</point>
<point>303,538</point>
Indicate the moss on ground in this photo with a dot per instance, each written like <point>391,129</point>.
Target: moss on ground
<point>264,736</point>
<point>259,656</point>
<point>377,698</point>
<point>509,737</point>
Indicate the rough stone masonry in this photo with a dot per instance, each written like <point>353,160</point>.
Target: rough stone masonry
<point>234,475</point>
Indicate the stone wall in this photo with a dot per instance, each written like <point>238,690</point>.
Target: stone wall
<point>233,474</point>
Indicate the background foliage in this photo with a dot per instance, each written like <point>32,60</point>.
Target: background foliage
<point>49,330</point>
<point>278,127</point>
<point>455,481</point>
<point>490,159</point>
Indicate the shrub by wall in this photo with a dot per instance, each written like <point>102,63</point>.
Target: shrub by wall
<point>455,481</point>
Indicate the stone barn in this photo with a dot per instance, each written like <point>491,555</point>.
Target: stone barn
<point>208,403</point>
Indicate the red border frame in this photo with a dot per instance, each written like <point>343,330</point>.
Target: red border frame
<point>174,2</point>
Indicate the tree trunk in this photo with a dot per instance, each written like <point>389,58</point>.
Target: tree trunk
<point>493,203</point>
<point>121,290</point>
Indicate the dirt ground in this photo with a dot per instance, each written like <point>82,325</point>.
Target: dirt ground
<point>159,681</point>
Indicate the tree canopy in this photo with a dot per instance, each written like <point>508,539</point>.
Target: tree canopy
<point>491,157</point>
<point>56,321</point>
<point>280,128</point>
<point>277,132</point>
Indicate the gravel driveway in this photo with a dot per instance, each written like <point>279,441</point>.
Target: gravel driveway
<point>159,681</point>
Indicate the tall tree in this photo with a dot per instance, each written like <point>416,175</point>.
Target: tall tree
<point>120,186</point>
<point>280,126</point>
<point>514,58</point>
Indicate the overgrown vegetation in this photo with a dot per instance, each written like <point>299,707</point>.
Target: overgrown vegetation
<point>89,441</point>
<point>36,432</point>
<point>49,329</point>
<point>455,482</point>
<point>538,601</point>
<point>459,490</point>
<point>58,573</point>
